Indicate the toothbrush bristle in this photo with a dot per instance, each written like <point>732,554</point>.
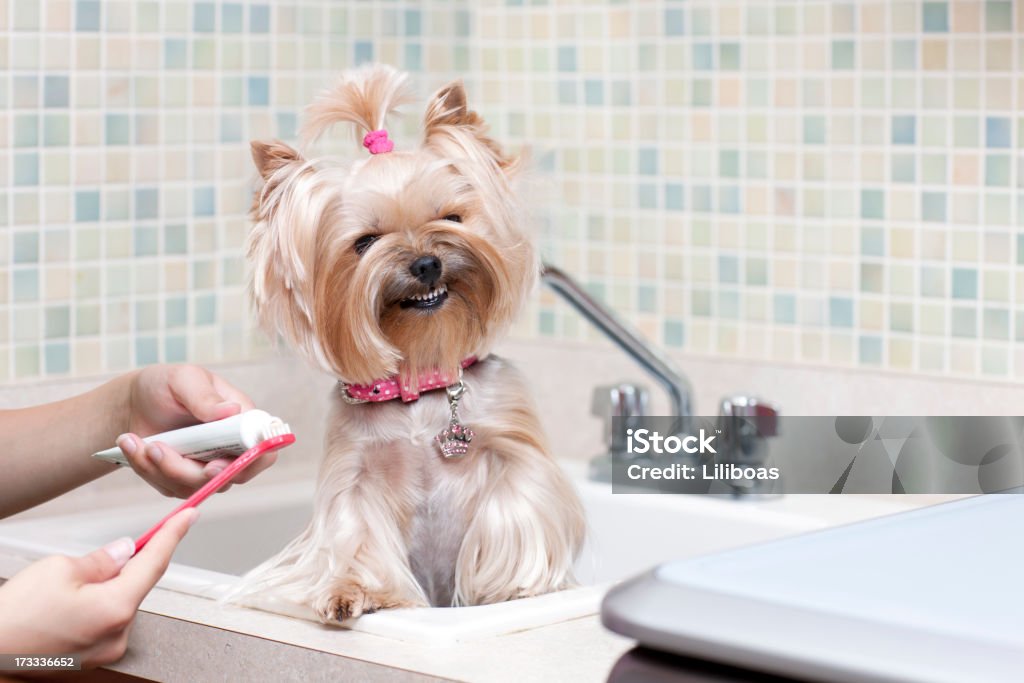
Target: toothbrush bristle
<point>276,429</point>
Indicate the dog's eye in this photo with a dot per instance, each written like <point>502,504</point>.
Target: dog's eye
<point>364,242</point>
<point>453,217</point>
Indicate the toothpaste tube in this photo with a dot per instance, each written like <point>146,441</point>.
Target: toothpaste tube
<point>225,438</point>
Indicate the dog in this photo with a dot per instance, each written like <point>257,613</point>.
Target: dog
<point>397,273</point>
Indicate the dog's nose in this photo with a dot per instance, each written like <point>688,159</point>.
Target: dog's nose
<point>426,269</point>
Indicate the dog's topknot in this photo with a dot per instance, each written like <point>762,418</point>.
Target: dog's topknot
<point>363,96</point>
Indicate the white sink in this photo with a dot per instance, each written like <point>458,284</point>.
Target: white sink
<point>628,533</point>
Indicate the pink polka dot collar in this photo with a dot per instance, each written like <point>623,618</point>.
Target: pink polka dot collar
<point>392,387</point>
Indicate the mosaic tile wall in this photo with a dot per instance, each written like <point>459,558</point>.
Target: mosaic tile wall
<point>822,182</point>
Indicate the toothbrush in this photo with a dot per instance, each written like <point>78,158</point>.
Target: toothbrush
<point>229,473</point>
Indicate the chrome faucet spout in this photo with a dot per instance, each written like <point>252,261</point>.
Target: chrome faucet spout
<point>656,363</point>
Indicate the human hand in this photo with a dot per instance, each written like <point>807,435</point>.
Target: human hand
<point>165,397</point>
<point>85,605</point>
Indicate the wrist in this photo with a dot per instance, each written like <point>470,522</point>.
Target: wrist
<point>123,400</point>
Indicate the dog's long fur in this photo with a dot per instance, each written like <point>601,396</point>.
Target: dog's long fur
<point>396,524</point>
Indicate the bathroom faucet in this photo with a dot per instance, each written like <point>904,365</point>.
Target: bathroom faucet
<point>745,421</point>
<point>679,391</point>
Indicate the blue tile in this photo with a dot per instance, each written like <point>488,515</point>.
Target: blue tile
<point>147,202</point>
<point>814,130</point>
<point>964,323</point>
<point>58,322</point>
<point>728,269</point>
<point>674,22</point>
<point>259,19</point>
<point>204,17</point>
<point>463,23</point>
<point>56,130</point>
<point>729,305</point>
<point>55,91</point>
<point>729,199</point>
<point>998,16</point>
<point>259,90</point>
<point>840,312</point>
<point>26,285</point>
<point>413,22</point>
<point>58,358</point>
<point>117,129</point>
<point>176,312</point>
<point>413,57</point>
<point>933,207</point>
<point>145,240</point>
<point>175,53</point>
<point>26,247</point>
<point>904,54</point>
<point>593,92</point>
<point>547,323</point>
<point>842,54</point>
<point>872,204</point>
<point>147,351</point>
<point>231,128</point>
<point>176,239</point>
<point>175,349</point>
<point>729,163</point>
<point>703,57</point>
<point>870,349</point>
<point>785,309</point>
<point>997,131</point>
<point>566,92</point>
<point>26,169</point>
<point>87,206</point>
<point>647,196</point>
<point>566,58</point>
<point>646,299</point>
<point>363,52</point>
<point>87,15</point>
<point>231,18</point>
<point>674,333</point>
<point>204,201</point>
<point>997,170</point>
<point>903,130</point>
<point>674,197</point>
<point>904,168</point>
<point>287,125</point>
<point>933,282</point>
<point>26,130</point>
<point>965,283</point>
<point>647,161</point>
<point>935,17</point>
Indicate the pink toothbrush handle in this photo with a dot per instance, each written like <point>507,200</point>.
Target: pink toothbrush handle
<point>229,473</point>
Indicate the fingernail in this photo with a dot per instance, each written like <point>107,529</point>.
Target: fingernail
<point>154,452</point>
<point>224,405</point>
<point>214,471</point>
<point>126,443</point>
<point>193,516</point>
<point>121,550</point>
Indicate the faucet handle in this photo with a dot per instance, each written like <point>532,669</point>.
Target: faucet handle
<point>764,415</point>
<point>624,400</point>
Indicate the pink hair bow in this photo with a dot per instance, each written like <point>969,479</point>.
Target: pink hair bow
<point>376,141</point>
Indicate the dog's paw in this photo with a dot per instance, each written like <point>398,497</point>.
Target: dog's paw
<point>348,601</point>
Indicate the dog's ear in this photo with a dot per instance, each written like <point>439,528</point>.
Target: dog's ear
<point>449,119</point>
<point>281,246</point>
<point>272,156</point>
